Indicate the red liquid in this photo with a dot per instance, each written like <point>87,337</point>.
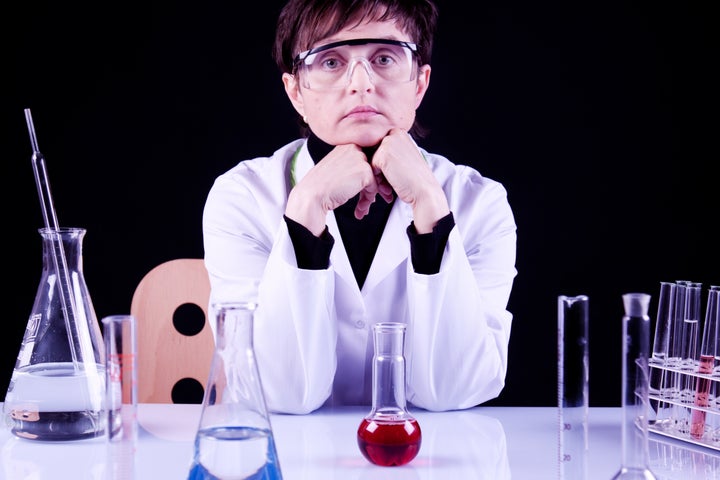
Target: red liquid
<point>389,443</point>
<point>697,427</point>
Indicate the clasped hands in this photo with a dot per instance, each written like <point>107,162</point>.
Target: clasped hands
<point>397,165</point>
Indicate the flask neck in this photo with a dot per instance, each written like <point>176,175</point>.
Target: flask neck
<point>234,327</point>
<point>234,377</point>
<point>70,240</point>
<point>388,369</point>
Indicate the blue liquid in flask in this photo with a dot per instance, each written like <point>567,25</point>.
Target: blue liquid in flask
<point>235,452</point>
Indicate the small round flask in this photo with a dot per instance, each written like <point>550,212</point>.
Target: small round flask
<point>389,435</point>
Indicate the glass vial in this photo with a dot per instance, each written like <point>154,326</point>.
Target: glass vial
<point>57,387</point>
<point>573,386</point>
<point>234,437</point>
<point>635,387</point>
<point>389,435</point>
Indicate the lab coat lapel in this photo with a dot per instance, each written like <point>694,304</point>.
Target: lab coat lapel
<point>338,255</point>
<point>394,245</point>
<point>393,249</point>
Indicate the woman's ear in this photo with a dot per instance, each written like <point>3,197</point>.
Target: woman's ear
<point>423,82</point>
<point>292,90</point>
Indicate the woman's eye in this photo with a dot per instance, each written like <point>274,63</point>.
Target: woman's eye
<point>384,60</point>
<point>331,63</point>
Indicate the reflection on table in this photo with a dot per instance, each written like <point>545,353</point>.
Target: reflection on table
<point>496,443</point>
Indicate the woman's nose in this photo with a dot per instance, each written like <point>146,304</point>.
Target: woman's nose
<point>360,78</point>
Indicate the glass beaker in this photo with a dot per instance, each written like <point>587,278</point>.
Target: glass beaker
<point>57,387</point>
<point>389,435</point>
<point>234,437</point>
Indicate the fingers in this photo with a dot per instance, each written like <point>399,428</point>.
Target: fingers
<point>366,199</point>
<point>344,173</point>
<point>384,188</point>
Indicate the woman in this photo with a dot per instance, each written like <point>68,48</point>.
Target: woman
<point>355,223</point>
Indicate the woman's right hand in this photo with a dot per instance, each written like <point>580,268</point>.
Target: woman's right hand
<point>335,179</point>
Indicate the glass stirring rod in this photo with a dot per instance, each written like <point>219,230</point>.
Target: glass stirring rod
<point>50,217</point>
<point>41,177</point>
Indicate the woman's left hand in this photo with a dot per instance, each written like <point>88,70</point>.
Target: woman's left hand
<point>402,165</point>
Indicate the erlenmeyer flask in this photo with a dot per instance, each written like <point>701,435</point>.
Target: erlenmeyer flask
<point>234,437</point>
<point>57,387</point>
<point>389,435</point>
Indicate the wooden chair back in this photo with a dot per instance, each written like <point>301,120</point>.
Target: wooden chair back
<point>174,338</point>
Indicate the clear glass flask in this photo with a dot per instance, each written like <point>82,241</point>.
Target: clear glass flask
<point>57,387</point>
<point>234,437</point>
<point>635,387</point>
<point>389,435</point>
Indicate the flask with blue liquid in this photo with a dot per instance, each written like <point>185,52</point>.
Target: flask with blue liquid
<point>234,438</point>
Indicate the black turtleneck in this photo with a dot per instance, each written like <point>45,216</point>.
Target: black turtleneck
<point>361,237</point>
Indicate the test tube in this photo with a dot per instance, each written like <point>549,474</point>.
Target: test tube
<point>714,421</point>
<point>688,356</point>
<point>691,327</point>
<point>703,393</point>
<point>659,376</point>
<point>573,386</point>
<point>716,370</point>
<point>674,358</point>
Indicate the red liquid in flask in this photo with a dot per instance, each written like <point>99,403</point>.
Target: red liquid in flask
<point>389,443</point>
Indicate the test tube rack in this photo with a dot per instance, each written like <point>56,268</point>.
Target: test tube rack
<point>674,415</point>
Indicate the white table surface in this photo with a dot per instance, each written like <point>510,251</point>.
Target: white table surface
<point>494,443</point>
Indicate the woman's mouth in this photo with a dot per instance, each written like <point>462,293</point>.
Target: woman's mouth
<point>362,112</point>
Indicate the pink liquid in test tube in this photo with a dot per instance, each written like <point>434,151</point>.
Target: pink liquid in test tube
<point>707,364</point>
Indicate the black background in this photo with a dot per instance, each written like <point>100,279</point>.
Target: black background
<point>596,116</point>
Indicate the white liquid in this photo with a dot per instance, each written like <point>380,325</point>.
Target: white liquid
<point>57,387</point>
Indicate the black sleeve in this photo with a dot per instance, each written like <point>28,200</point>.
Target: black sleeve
<point>426,249</point>
<point>311,252</point>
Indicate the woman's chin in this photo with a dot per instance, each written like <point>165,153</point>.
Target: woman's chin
<point>362,135</point>
<point>368,138</point>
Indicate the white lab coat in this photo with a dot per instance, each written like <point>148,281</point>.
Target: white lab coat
<point>313,328</point>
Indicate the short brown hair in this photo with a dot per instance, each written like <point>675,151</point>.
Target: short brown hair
<point>302,23</point>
